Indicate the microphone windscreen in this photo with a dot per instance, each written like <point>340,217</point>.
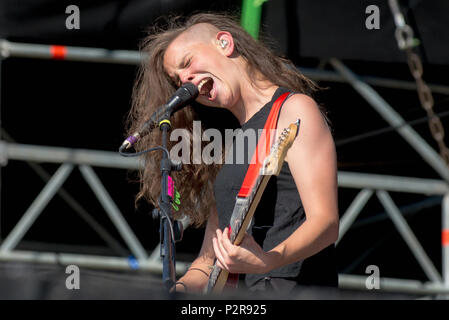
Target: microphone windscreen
<point>190,91</point>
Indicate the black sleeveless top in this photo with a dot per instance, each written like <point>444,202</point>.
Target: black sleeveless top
<point>279,213</point>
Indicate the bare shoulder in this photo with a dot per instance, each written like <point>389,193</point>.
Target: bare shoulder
<point>304,108</point>
<point>313,150</point>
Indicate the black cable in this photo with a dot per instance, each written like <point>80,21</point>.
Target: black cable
<point>169,222</point>
<point>135,154</point>
<point>387,129</point>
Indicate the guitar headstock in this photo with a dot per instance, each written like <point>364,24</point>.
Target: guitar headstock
<point>273,163</point>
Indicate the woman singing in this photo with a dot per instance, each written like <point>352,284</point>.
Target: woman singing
<point>291,240</point>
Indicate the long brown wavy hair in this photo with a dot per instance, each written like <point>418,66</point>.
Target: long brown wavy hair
<point>153,87</point>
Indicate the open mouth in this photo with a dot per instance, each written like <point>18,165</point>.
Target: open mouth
<point>205,87</point>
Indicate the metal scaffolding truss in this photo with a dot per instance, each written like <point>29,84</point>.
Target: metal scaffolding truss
<point>369,184</point>
<point>84,159</point>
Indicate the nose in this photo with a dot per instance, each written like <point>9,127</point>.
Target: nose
<point>186,77</point>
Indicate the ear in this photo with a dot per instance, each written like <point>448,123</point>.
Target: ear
<point>225,43</point>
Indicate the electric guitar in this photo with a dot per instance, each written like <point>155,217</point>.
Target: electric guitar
<point>247,201</point>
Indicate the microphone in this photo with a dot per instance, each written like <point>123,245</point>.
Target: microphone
<point>185,94</point>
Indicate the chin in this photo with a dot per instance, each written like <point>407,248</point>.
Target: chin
<point>207,103</point>
<point>214,104</point>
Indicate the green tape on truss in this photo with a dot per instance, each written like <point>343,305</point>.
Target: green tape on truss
<point>251,15</point>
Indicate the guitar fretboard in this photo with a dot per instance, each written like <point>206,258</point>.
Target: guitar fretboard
<point>238,216</point>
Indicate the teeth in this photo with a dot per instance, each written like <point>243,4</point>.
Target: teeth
<point>200,85</point>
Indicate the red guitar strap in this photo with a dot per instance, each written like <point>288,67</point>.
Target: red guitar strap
<point>263,147</point>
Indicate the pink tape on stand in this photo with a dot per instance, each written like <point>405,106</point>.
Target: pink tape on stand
<point>170,187</point>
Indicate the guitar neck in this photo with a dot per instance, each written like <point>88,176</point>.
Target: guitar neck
<point>241,218</point>
<point>243,213</point>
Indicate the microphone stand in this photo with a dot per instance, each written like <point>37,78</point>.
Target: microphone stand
<point>170,231</point>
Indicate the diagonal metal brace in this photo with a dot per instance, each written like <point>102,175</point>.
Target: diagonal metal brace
<point>113,212</point>
<point>408,235</point>
<point>394,119</point>
<point>36,207</point>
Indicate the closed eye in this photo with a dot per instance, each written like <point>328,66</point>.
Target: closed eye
<point>187,63</point>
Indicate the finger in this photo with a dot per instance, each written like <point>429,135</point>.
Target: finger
<point>227,232</point>
<point>221,243</point>
<point>226,242</point>
<point>220,265</point>
<point>247,239</point>
<point>179,288</point>
<point>216,247</point>
<point>218,253</point>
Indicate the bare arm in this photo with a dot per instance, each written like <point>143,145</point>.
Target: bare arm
<point>198,274</point>
<point>312,162</point>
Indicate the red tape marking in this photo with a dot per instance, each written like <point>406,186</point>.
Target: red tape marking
<point>445,237</point>
<point>58,52</point>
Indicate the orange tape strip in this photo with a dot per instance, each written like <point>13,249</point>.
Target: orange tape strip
<point>58,52</point>
<point>445,237</point>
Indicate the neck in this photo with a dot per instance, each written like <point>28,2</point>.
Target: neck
<point>253,98</point>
